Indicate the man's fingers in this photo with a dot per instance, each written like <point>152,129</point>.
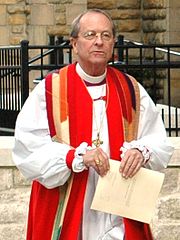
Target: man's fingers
<point>126,165</point>
<point>102,162</point>
<point>131,163</point>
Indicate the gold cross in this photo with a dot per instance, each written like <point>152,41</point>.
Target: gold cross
<point>97,142</point>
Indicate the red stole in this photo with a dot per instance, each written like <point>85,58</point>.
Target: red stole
<point>122,114</point>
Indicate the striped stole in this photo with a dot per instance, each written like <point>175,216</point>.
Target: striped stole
<point>70,122</point>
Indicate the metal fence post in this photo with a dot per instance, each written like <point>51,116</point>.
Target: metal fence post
<point>120,40</point>
<point>51,43</point>
<point>24,71</point>
<point>60,54</point>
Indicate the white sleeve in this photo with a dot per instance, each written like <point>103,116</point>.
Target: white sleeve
<point>152,134</point>
<point>34,153</point>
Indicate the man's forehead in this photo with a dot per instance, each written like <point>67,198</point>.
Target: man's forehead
<point>90,16</point>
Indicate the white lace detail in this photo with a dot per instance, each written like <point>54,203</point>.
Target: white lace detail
<point>134,144</point>
<point>78,164</point>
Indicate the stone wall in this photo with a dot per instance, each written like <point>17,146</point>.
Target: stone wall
<point>166,221</point>
<point>15,191</point>
<point>154,27</point>
<point>36,20</point>
<point>14,195</point>
<point>139,20</point>
<point>14,21</point>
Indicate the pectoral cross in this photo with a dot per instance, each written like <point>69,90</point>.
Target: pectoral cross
<point>97,142</point>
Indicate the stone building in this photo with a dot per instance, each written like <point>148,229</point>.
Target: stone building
<point>148,21</point>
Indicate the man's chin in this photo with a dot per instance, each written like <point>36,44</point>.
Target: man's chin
<point>99,60</point>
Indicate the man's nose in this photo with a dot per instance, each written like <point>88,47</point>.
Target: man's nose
<point>98,38</point>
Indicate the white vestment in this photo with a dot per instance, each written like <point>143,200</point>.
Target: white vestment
<point>38,158</point>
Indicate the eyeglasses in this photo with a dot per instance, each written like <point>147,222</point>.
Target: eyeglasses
<point>92,35</point>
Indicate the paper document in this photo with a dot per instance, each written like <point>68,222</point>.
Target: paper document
<point>133,198</point>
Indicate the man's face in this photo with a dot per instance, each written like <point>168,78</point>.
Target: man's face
<point>95,41</point>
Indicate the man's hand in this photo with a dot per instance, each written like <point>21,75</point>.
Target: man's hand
<point>131,163</point>
<point>97,159</point>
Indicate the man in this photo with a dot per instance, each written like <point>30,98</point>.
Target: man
<point>71,125</point>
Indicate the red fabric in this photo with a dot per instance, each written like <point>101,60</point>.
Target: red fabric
<point>69,158</point>
<point>80,123</point>
<point>48,93</point>
<point>74,209</point>
<point>137,230</point>
<point>124,93</point>
<point>114,116</point>
<point>43,206</point>
<point>41,210</point>
<point>80,111</point>
<point>44,202</point>
<point>122,100</point>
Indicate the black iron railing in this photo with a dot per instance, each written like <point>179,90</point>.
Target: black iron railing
<point>10,87</point>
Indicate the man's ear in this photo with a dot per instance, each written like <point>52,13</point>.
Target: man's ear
<point>73,43</point>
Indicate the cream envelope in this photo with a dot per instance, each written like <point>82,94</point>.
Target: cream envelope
<point>133,198</point>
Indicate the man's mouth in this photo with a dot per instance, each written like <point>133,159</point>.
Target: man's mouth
<point>98,53</point>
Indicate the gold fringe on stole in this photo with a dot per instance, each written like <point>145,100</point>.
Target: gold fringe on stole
<point>61,122</point>
<point>64,105</point>
<point>131,129</point>
<point>66,199</point>
<point>56,227</point>
<point>56,104</point>
<point>64,196</point>
<point>137,112</point>
<point>60,106</point>
<point>63,93</point>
